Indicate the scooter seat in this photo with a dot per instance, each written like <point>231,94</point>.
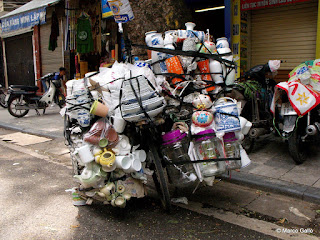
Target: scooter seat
<point>25,88</point>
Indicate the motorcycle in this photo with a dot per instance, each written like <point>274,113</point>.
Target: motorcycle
<point>255,91</point>
<point>3,95</point>
<point>299,130</point>
<point>21,98</point>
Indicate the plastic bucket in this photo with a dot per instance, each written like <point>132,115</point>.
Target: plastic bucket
<point>226,115</point>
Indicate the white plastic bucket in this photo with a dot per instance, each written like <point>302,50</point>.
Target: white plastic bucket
<point>226,115</point>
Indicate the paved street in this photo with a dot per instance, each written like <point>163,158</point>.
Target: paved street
<point>35,172</point>
<point>34,205</point>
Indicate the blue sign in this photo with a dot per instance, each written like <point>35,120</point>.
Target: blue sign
<point>23,20</point>
<point>106,10</point>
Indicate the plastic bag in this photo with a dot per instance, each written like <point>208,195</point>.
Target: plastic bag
<point>94,134</point>
<point>102,133</point>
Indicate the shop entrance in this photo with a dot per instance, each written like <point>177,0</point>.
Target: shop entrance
<point>19,54</point>
<point>208,14</point>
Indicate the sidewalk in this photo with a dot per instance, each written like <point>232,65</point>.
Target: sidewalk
<point>271,169</point>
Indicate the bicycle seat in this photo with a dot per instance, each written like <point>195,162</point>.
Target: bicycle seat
<point>25,88</point>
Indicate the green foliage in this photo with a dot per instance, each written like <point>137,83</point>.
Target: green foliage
<point>250,87</point>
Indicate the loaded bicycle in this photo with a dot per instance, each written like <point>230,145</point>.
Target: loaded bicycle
<point>147,115</point>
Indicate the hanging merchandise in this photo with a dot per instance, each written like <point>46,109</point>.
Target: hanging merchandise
<point>84,34</point>
<point>53,44</point>
<point>106,10</point>
<point>122,11</point>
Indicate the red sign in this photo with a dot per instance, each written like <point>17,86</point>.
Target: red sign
<point>257,4</point>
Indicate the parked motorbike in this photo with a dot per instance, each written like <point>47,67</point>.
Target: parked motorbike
<point>255,91</point>
<point>3,95</point>
<point>299,131</point>
<point>23,98</point>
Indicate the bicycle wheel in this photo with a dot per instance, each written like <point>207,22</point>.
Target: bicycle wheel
<point>160,180</point>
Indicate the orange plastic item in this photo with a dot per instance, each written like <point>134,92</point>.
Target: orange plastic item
<point>174,66</point>
<point>204,68</point>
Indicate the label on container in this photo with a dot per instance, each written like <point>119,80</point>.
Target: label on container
<point>226,118</point>
<point>122,11</point>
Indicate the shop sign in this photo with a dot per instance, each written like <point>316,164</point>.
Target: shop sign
<point>235,34</point>
<point>23,20</point>
<point>106,10</point>
<point>257,4</point>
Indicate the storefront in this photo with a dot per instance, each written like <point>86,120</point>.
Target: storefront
<point>25,34</point>
<point>90,37</point>
<point>285,30</point>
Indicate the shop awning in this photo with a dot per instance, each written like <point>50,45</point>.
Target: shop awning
<point>26,16</point>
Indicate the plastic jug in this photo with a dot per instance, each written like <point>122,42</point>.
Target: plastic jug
<point>175,149</point>
<point>232,150</point>
<point>209,147</point>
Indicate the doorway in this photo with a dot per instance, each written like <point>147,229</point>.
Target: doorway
<point>19,55</point>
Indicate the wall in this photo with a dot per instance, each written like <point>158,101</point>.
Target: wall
<point>156,15</point>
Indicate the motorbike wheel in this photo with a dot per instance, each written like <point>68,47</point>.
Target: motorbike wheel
<point>61,100</point>
<point>248,144</point>
<point>297,148</point>
<point>3,100</point>
<point>12,104</point>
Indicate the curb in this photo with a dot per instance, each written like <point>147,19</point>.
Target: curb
<point>303,192</point>
<point>30,131</point>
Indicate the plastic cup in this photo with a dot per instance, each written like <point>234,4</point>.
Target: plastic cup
<point>123,162</point>
<point>103,142</point>
<point>140,155</point>
<point>99,109</point>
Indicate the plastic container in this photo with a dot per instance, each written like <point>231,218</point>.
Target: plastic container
<point>209,147</point>
<point>222,43</point>
<point>174,148</point>
<point>232,150</point>
<point>226,115</point>
<point>216,71</point>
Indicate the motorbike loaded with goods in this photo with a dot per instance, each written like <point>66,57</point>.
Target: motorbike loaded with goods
<point>21,99</point>
<point>3,102</point>
<point>296,109</point>
<point>167,119</point>
<point>255,92</point>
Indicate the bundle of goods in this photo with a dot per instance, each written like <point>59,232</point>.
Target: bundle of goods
<point>218,69</point>
<point>175,95</point>
<point>106,165</point>
<point>216,128</point>
<point>216,132</point>
<point>302,89</point>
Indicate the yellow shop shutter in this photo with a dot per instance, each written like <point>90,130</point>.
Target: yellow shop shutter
<point>286,32</point>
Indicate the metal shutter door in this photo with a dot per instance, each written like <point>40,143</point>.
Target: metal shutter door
<point>51,60</point>
<point>288,33</point>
